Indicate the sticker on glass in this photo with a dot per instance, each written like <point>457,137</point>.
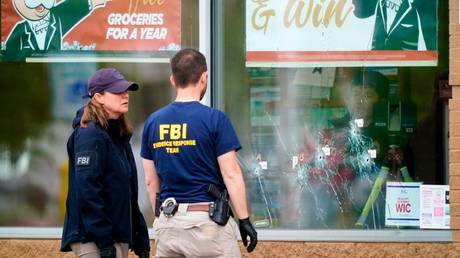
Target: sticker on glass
<point>359,122</point>
<point>263,165</point>
<point>372,153</point>
<point>295,161</point>
<point>326,150</point>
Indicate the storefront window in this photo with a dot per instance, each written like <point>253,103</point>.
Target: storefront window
<point>39,102</point>
<point>322,144</point>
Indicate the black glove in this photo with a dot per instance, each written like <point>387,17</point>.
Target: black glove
<point>108,252</point>
<point>246,229</point>
<point>145,254</point>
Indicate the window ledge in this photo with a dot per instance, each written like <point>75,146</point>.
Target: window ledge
<point>357,235</point>
<point>277,235</point>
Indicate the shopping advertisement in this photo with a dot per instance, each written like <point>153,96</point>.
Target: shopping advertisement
<point>402,204</point>
<point>322,33</point>
<point>37,28</point>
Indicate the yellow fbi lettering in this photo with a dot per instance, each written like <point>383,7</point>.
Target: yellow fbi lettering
<point>172,137</point>
<point>175,131</point>
<point>172,150</point>
<point>178,143</point>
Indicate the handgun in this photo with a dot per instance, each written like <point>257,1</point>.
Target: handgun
<point>219,211</point>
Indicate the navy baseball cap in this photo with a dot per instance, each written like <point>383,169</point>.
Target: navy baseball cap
<point>109,80</point>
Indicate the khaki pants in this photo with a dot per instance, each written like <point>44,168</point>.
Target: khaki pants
<point>194,234</point>
<point>90,250</point>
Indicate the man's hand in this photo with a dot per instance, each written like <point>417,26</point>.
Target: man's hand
<point>108,252</point>
<point>246,229</point>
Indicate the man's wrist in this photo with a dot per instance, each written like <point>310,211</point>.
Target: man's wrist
<point>245,219</point>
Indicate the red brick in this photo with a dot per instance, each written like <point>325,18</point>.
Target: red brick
<point>453,51</point>
<point>455,91</point>
<point>454,117</point>
<point>454,104</point>
<point>454,196</point>
<point>454,129</point>
<point>453,17</point>
<point>454,156</point>
<point>454,143</point>
<point>456,236</point>
<point>454,54</point>
<point>455,222</point>
<point>454,169</point>
<point>455,209</point>
<point>455,63</point>
<point>454,182</point>
<point>454,29</point>
<point>454,78</point>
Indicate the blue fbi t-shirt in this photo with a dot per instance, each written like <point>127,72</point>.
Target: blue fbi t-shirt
<point>184,140</point>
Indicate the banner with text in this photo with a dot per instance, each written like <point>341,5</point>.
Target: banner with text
<point>37,28</point>
<point>402,204</point>
<point>315,33</point>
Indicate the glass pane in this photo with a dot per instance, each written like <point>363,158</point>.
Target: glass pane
<point>39,102</point>
<point>320,144</point>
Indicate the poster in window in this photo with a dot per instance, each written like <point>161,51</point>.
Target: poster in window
<point>402,204</point>
<point>42,28</point>
<point>321,33</point>
<point>434,207</point>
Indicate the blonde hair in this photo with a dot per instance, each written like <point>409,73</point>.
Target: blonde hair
<point>95,112</point>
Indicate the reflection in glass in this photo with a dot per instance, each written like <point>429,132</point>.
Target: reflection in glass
<point>38,102</point>
<point>38,105</point>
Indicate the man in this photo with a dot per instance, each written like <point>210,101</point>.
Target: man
<point>400,24</point>
<point>186,147</point>
<point>45,24</point>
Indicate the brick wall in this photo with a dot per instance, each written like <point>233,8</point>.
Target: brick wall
<point>50,248</point>
<point>454,46</point>
<point>454,118</point>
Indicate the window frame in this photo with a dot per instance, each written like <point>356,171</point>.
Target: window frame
<point>209,11</point>
<point>334,235</point>
<point>379,236</point>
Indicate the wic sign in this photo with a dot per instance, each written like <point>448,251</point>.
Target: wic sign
<point>402,204</point>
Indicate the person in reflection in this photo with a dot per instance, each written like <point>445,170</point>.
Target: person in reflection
<point>186,148</point>
<point>379,117</point>
<point>377,143</point>
<point>103,217</point>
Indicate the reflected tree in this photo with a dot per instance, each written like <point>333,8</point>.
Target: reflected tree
<point>26,99</point>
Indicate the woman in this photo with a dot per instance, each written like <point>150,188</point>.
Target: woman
<point>103,217</point>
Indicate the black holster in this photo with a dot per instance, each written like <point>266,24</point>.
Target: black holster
<point>157,205</point>
<point>219,211</point>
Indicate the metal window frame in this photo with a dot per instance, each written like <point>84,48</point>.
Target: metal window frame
<point>207,41</point>
<point>204,15</point>
<point>332,235</point>
<point>275,235</point>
